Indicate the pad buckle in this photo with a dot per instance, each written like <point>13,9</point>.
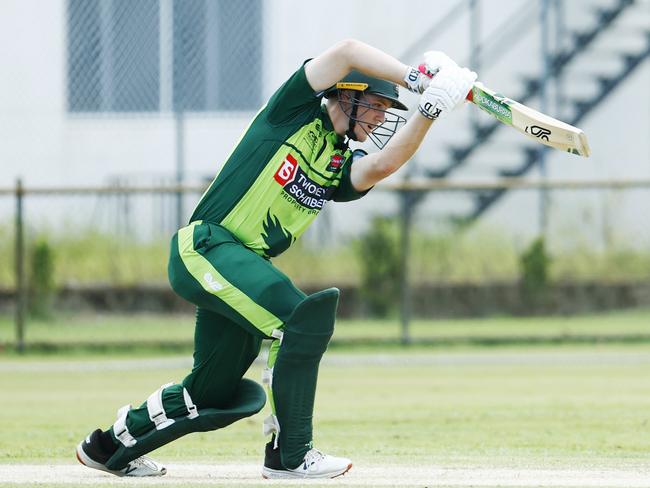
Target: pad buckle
<point>267,377</point>
<point>156,410</point>
<point>271,426</point>
<point>120,429</point>
<point>192,411</point>
<point>277,334</point>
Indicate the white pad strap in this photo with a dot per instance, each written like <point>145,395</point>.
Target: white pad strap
<point>156,410</point>
<point>191,408</point>
<point>120,430</point>
<point>272,426</point>
<point>267,377</point>
<point>278,334</point>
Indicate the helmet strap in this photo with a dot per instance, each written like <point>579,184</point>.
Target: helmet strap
<point>353,115</point>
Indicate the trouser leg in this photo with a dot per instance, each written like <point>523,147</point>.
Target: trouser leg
<point>223,353</point>
<point>213,270</point>
<point>293,371</point>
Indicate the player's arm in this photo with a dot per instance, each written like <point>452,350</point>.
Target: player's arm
<point>446,91</point>
<point>329,67</point>
<point>371,169</point>
<point>344,56</point>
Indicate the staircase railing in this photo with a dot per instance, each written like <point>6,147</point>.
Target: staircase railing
<point>581,41</point>
<point>486,199</point>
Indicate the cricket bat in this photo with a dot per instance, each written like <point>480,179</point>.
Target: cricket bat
<point>536,125</point>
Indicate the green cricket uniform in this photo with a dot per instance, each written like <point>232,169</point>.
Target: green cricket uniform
<point>286,166</point>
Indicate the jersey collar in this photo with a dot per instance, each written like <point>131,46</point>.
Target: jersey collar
<point>328,126</point>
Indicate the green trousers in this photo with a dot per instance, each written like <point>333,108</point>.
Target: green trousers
<point>241,299</point>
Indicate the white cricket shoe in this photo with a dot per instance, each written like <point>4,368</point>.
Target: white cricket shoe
<point>315,465</point>
<point>89,454</point>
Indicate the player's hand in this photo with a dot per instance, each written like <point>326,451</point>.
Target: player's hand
<point>434,61</point>
<point>417,79</point>
<point>447,90</point>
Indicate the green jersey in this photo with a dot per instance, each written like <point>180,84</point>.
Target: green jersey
<point>286,166</point>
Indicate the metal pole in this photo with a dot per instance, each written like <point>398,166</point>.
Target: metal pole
<point>475,48</point>
<point>560,35</point>
<point>106,59</point>
<point>20,269</point>
<point>545,54</point>
<point>407,206</point>
<point>180,164</point>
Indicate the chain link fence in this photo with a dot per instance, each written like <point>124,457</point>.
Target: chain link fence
<point>163,55</point>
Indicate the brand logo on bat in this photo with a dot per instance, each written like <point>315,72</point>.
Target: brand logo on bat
<point>539,132</point>
<point>492,105</point>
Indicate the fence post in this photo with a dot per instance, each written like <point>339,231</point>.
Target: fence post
<point>543,98</point>
<point>407,206</point>
<point>179,118</point>
<point>20,269</point>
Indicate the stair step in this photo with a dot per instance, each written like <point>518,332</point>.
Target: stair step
<point>597,55</point>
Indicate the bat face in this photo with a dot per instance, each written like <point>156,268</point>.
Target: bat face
<point>534,124</point>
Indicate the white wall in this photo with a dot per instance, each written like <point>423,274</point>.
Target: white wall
<point>44,144</point>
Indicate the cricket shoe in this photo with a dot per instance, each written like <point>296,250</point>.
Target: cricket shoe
<point>90,453</point>
<point>314,465</point>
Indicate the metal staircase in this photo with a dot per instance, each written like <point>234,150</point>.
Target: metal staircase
<point>583,107</point>
<point>581,42</point>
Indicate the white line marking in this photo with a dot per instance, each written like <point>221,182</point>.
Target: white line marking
<point>400,475</point>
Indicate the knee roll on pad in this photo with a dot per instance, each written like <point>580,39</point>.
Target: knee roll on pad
<point>310,326</point>
<point>248,400</point>
<point>304,340</point>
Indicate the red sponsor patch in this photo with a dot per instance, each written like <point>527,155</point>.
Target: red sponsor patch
<point>287,170</point>
<point>336,161</point>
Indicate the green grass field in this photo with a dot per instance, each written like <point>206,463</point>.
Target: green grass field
<point>459,412</point>
<point>562,406</point>
<point>624,326</point>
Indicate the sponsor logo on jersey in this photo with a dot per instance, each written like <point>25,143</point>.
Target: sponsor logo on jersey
<point>336,162</point>
<point>297,184</point>
<point>311,139</point>
<point>287,170</point>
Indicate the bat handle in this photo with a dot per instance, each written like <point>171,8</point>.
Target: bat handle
<point>424,70</point>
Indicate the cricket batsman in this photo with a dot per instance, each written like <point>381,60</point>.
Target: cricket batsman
<point>292,159</point>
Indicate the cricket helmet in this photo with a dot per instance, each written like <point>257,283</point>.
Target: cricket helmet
<point>358,81</point>
<point>355,107</point>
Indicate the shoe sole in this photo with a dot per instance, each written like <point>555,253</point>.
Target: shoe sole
<point>84,459</point>
<point>274,474</point>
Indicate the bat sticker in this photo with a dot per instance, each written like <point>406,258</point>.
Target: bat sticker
<point>539,132</point>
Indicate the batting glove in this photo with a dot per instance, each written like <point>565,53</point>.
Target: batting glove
<point>436,60</point>
<point>447,90</point>
<point>417,79</point>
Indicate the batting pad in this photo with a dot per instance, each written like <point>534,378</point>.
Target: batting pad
<point>249,399</point>
<point>304,341</point>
